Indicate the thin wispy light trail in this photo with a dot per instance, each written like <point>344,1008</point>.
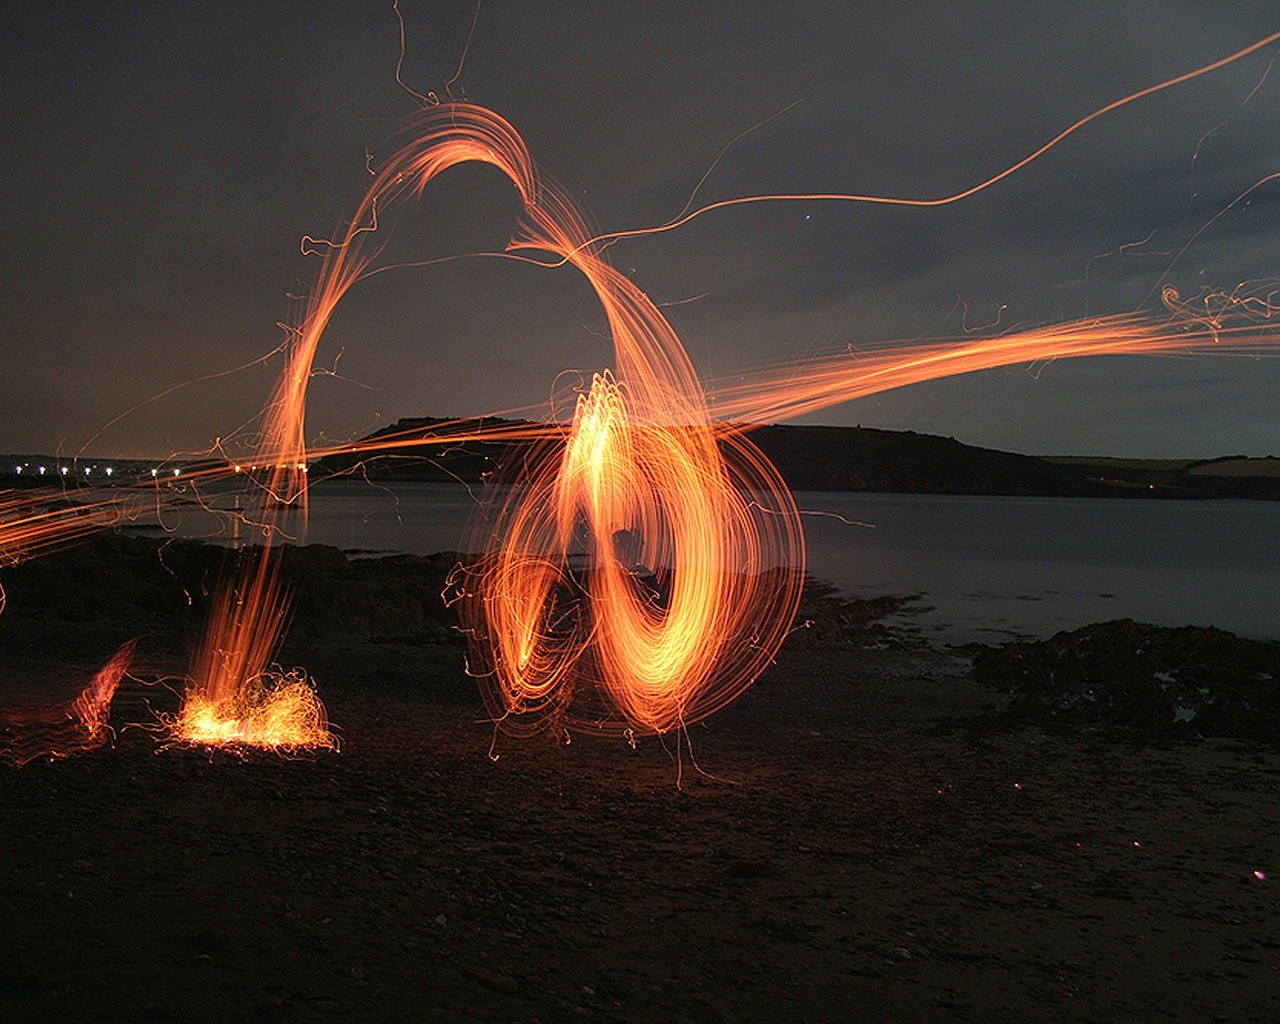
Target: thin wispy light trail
<point>61,731</point>
<point>686,215</point>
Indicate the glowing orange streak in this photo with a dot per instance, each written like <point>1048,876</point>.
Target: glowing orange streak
<point>956,197</point>
<point>29,529</point>
<point>787,392</point>
<point>92,708</point>
<point>70,729</point>
<point>1160,284</point>
<point>38,522</point>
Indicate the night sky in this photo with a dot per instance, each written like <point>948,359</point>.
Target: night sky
<point>162,161</point>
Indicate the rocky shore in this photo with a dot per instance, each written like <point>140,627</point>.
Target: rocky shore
<point>877,831</point>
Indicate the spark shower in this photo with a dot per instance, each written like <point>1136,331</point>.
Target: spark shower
<point>638,567</point>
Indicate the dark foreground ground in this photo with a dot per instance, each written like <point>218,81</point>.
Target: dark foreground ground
<point>836,863</point>
<point>842,852</point>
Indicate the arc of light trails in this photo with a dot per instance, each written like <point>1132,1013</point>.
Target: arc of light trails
<point>641,459</point>
<point>649,563</point>
<point>666,483</point>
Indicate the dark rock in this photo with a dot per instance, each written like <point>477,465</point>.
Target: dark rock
<point>492,979</point>
<point>1149,681</point>
<point>826,618</point>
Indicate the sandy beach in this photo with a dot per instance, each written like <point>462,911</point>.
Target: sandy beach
<point>851,841</point>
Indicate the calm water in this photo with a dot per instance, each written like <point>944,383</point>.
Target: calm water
<point>984,567</point>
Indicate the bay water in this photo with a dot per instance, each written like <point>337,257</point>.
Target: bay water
<point>978,568</point>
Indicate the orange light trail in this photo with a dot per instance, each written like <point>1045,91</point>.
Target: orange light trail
<point>786,392</point>
<point>79,726</point>
<point>32,525</point>
<point>639,567</point>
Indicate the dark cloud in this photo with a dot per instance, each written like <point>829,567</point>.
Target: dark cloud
<point>162,161</point>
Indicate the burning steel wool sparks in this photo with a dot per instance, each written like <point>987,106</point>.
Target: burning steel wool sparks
<point>637,568</point>
<point>275,709</point>
<point>640,570</point>
<point>235,697</point>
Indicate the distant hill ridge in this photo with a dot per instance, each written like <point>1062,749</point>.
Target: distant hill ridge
<point>819,458</point>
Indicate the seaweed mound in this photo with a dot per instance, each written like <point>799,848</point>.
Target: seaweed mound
<point>144,584</point>
<point>826,618</point>
<point>1151,682</point>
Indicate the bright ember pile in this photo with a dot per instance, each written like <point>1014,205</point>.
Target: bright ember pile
<point>277,710</point>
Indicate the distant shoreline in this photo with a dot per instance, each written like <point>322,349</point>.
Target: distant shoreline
<point>859,459</point>
<point>809,458</point>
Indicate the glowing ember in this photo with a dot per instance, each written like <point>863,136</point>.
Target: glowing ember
<point>275,709</point>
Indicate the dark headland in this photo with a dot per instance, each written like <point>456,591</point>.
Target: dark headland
<point>821,458</point>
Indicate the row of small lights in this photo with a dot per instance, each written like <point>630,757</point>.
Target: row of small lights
<point>109,470</point>
<point>65,471</point>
